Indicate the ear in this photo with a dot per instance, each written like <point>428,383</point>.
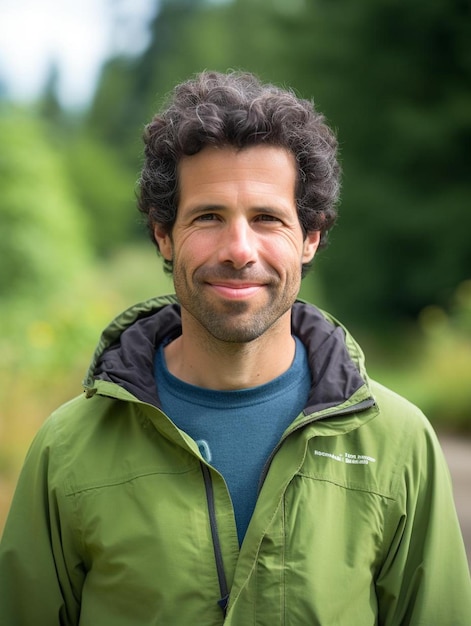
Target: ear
<point>164,241</point>
<point>310,245</point>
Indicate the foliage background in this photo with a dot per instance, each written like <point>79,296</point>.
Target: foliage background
<point>393,79</point>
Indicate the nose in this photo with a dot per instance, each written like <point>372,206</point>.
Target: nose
<point>237,245</point>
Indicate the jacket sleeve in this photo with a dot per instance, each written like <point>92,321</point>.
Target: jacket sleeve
<point>425,577</point>
<point>40,572</point>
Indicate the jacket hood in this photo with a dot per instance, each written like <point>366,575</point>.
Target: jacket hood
<point>125,352</point>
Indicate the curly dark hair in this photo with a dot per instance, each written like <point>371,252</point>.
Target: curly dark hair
<point>236,109</point>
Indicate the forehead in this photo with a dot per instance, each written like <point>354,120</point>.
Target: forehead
<point>256,168</point>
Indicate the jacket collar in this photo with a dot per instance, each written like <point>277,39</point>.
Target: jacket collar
<point>125,352</point>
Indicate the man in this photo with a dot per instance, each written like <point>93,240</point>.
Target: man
<point>231,461</point>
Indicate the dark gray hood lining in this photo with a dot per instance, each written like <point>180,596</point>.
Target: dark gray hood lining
<point>129,361</point>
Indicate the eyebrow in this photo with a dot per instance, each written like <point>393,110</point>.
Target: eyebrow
<point>204,208</point>
<point>208,208</point>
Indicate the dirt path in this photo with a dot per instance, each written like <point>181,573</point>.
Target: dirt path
<point>458,455</point>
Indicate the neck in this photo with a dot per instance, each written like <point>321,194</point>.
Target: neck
<point>207,362</point>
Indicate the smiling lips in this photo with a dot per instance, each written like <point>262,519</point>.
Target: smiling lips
<point>236,291</point>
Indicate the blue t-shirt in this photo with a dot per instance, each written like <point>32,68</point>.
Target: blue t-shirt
<point>237,430</point>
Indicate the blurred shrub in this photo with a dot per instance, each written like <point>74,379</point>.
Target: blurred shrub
<point>435,368</point>
<point>444,377</point>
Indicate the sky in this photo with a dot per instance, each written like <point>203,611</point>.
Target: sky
<point>77,35</point>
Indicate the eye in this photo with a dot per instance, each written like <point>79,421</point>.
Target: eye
<point>206,217</point>
<point>267,217</point>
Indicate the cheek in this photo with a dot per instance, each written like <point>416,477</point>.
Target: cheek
<point>192,250</point>
<point>284,252</point>
<point>285,259</point>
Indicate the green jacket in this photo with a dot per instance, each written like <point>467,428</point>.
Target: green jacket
<point>118,521</point>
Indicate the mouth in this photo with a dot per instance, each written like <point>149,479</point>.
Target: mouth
<point>236,291</point>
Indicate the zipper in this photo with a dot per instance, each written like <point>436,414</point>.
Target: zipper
<point>224,591</point>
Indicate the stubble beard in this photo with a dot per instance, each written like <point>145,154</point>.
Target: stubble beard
<point>232,322</point>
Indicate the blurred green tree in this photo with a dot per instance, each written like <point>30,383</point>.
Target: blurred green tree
<point>104,184</point>
<point>49,101</point>
<point>43,240</point>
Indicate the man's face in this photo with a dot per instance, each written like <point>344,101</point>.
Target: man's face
<point>237,246</point>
